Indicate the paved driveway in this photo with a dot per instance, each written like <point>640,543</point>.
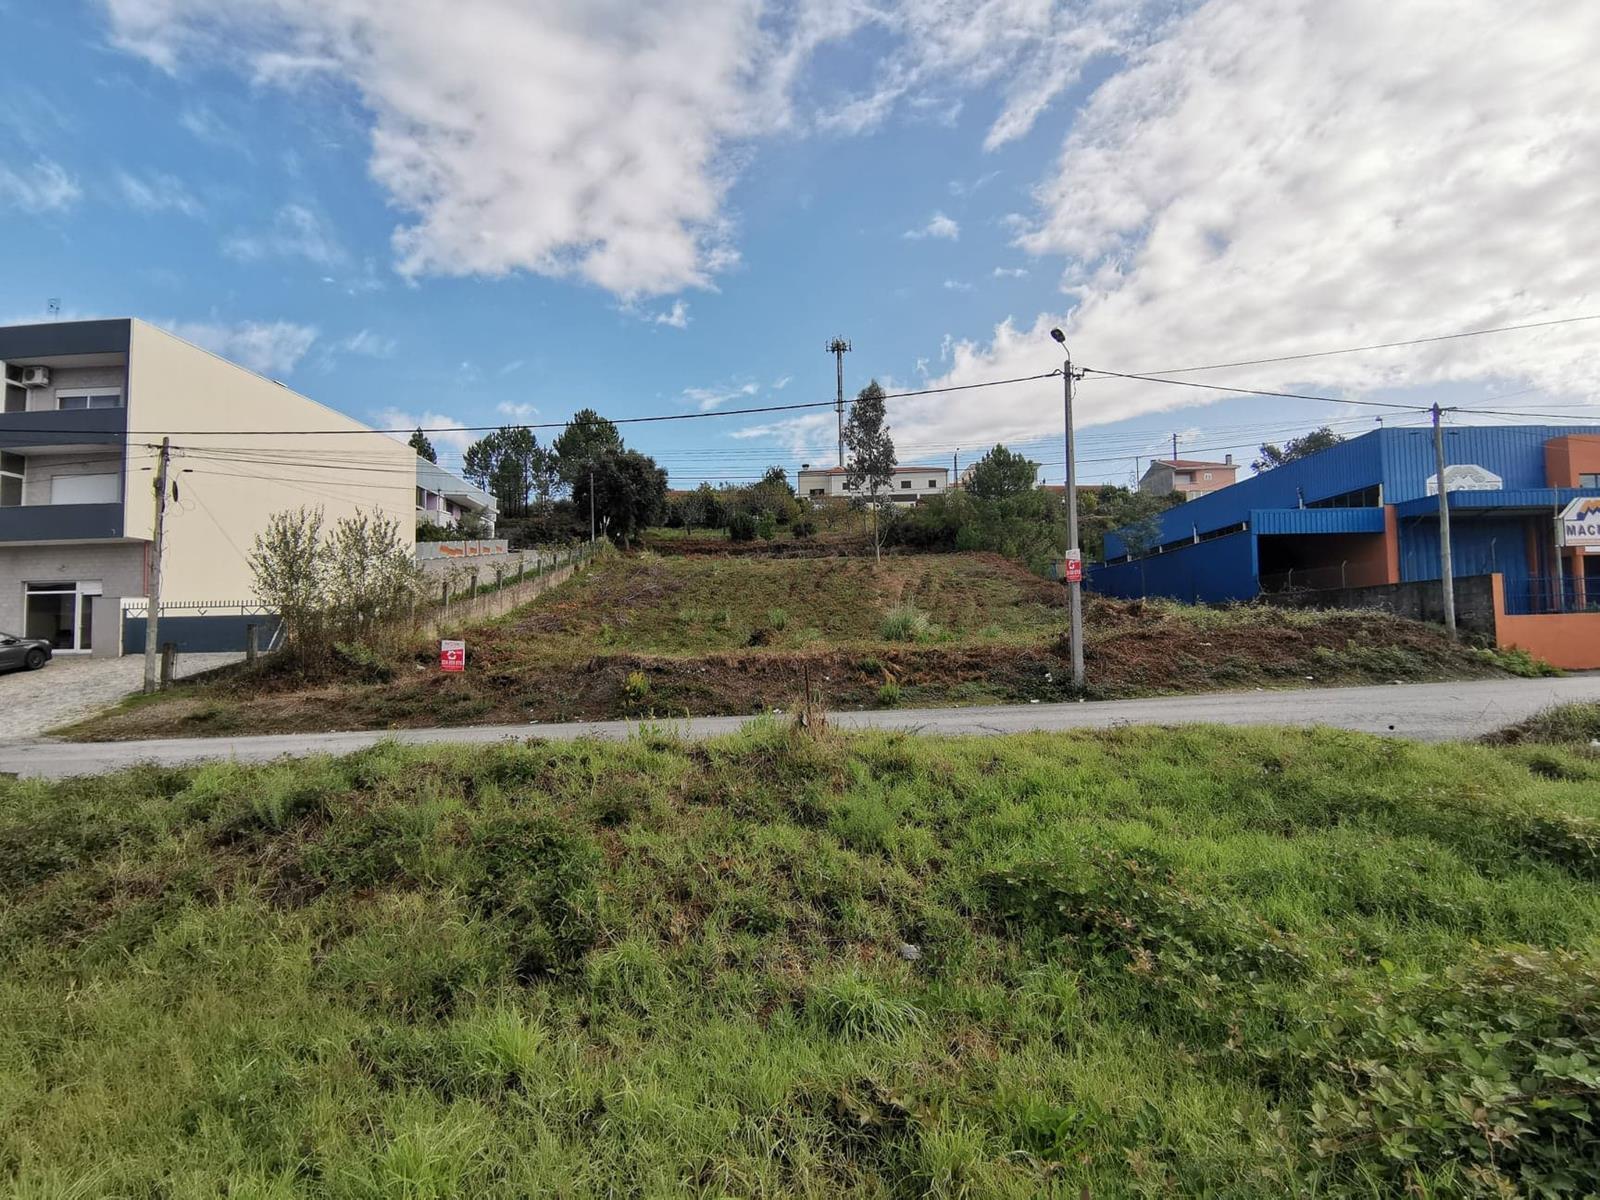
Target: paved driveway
<point>71,688</point>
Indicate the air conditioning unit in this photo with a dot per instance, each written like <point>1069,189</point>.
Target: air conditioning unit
<point>35,377</point>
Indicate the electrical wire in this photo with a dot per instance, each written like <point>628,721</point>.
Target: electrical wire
<point>1243,391</point>
<point>1421,341</point>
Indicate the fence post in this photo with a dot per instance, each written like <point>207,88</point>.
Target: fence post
<point>250,643</point>
<point>169,651</point>
<point>444,597</point>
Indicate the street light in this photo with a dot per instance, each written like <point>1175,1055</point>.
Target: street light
<point>1073,563</point>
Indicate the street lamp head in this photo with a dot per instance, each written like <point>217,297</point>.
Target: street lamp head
<point>1059,336</point>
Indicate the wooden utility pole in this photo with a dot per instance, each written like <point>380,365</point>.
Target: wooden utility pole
<point>152,607</point>
<point>1446,568</point>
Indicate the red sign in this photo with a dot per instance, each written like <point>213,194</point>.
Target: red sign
<point>1072,570</point>
<point>452,656</point>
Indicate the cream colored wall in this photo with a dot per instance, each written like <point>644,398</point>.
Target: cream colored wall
<point>224,503</point>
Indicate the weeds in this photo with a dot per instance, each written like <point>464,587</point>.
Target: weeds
<point>1251,963</point>
<point>906,623</point>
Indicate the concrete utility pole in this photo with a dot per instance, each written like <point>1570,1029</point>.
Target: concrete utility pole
<point>839,348</point>
<point>591,505</point>
<point>152,604</point>
<point>1074,558</point>
<point>1446,570</point>
<point>1174,447</point>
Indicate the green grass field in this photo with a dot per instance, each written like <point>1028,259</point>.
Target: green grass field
<point>664,636</point>
<point>1196,962</point>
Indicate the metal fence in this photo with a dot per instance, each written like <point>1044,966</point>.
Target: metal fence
<point>1542,594</point>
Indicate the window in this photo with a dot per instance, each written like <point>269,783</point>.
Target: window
<point>933,483</point>
<point>89,398</point>
<point>10,479</point>
<point>816,492</point>
<point>421,497</point>
<point>1208,476</point>
<point>1367,497</point>
<point>905,483</point>
<point>1589,481</point>
<point>86,489</point>
<point>16,396</point>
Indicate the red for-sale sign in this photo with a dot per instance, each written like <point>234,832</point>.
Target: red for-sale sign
<point>452,656</point>
<point>1073,567</point>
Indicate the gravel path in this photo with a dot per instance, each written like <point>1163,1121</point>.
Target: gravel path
<point>70,688</point>
<point>1425,711</point>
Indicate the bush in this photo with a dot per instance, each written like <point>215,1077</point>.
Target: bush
<point>741,527</point>
<point>906,623</point>
<point>804,527</point>
<point>889,695</point>
<point>636,688</point>
<point>767,527</point>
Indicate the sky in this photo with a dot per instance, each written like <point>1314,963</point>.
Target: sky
<point>460,213</point>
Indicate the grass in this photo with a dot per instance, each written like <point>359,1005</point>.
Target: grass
<point>1141,962</point>
<point>674,635</point>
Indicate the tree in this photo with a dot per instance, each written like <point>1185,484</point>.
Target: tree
<point>1001,473</point>
<point>630,491</point>
<point>291,574</point>
<point>869,461</point>
<point>701,508</point>
<point>587,438</point>
<point>424,448</point>
<point>505,463</point>
<point>1275,456</point>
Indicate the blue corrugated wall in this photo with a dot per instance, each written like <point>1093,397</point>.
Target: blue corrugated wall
<point>1209,572</point>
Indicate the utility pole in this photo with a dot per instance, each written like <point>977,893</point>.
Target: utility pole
<point>955,467</point>
<point>1174,447</point>
<point>591,504</point>
<point>1074,560</point>
<point>152,604</point>
<point>839,348</point>
<point>1446,570</point>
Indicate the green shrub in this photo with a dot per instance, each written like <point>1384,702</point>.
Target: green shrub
<point>777,619</point>
<point>804,527</point>
<point>889,694</point>
<point>767,527</point>
<point>1484,1079</point>
<point>362,663</point>
<point>856,1006</point>
<point>906,623</point>
<point>636,687</point>
<point>741,527</point>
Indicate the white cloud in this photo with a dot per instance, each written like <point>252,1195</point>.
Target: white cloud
<point>1010,272</point>
<point>372,345</point>
<point>511,368</point>
<point>446,433</point>
<point>957,285</point>
<point>517,412</point>
<point>677,316</point>
<point>42,187</point>
<point>268,347</point>
<point>779,384</point>
<point>938,226</point>
<point>1292,176</point>
<point>707,399</point>
<point>297,232</point>
<point>158,192</point>
<point>572,140</point>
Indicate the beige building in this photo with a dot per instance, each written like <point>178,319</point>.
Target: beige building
<point>86,406</point>
<point>909,485</point>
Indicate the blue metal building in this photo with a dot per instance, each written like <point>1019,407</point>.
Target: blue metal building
<point>1366,512</point>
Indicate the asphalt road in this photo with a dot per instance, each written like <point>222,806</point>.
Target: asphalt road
<point>1425,711</point>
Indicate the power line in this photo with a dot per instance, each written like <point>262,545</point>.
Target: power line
<point>1243,391</point>
<point>1422,341</point>
<point>657,417</point>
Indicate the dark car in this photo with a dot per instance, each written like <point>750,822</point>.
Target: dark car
<point>31,653</point>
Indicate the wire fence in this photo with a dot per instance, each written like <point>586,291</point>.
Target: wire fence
<point>1548,594</point>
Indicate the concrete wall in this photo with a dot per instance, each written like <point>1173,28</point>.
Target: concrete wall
<point>451,619</point>
<point>119,566</point>
<point>1566,458</point>
<point>1476,601</point>
<point>176,387</point>
<point>833,483</point>
<point>42,468</point>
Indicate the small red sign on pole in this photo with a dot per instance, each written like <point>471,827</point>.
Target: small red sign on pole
<point>452,656</point>
<point>1072,570</point>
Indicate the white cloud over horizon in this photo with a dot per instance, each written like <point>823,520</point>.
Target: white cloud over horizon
<point>938,226</point>
<point>158,192</point>
<point>1293,176</point>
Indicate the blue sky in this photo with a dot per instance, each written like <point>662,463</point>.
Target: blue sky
<point>490,210</point>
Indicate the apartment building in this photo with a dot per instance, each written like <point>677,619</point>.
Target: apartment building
<point>908,485</point>
<point>85,408</point>
<point>1191,476</point>
<point>445,499</point>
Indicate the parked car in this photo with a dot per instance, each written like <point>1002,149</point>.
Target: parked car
<point>28,653</point>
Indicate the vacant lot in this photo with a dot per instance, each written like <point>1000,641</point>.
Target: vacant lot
<point>1149,962</point>
<point>672,636</point>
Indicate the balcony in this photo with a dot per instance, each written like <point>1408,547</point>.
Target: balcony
<point>59,523</point>
<point>61,430</point>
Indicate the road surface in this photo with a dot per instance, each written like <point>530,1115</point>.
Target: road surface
<point>1425,711</point>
